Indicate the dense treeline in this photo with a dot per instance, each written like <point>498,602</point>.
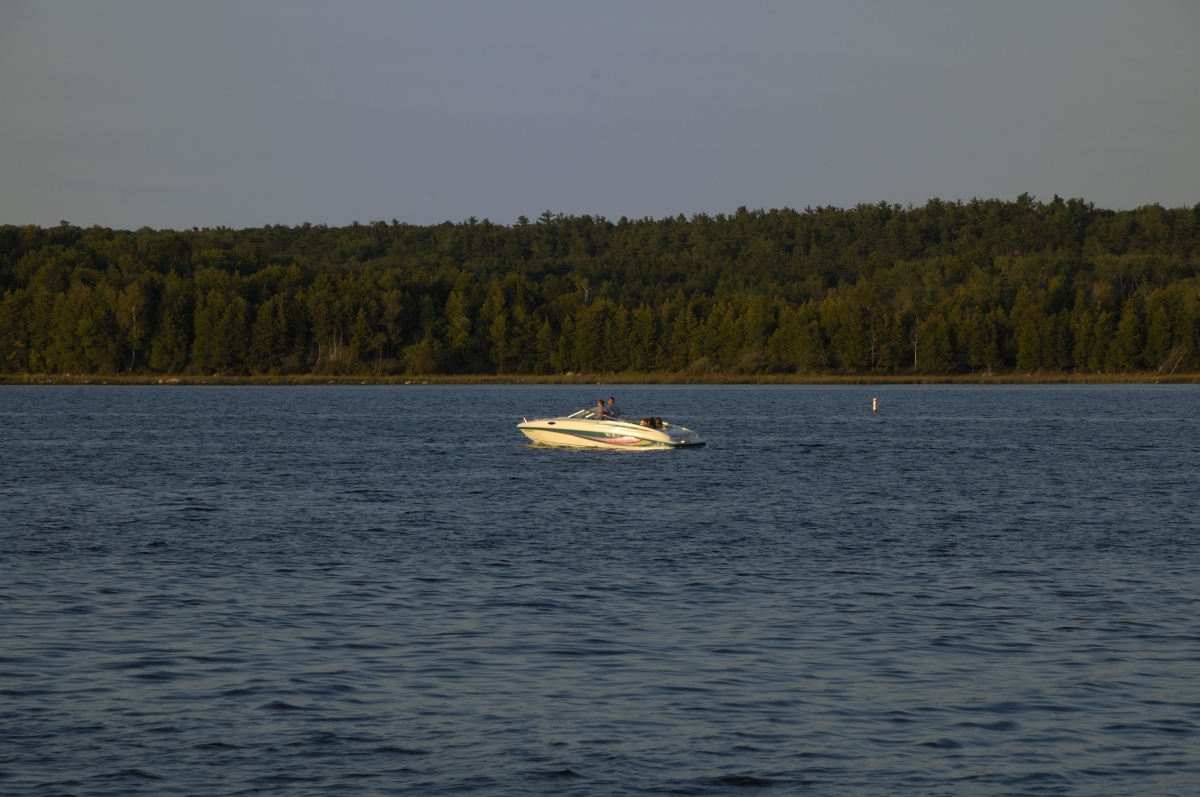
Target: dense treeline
<point>945,288</point>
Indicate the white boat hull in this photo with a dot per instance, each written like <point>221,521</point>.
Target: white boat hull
<point>587,433</point>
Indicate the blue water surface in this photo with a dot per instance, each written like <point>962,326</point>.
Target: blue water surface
<point>384,590</point>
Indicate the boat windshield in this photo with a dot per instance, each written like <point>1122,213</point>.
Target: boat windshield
<point>588,414</point>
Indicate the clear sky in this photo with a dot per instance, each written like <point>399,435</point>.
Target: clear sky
<point>163,114</point>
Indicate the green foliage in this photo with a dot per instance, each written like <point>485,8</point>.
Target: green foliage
<point>1128,345</point>
<point>171,344</point>
<point>949,287</point>
<point>220,323</point>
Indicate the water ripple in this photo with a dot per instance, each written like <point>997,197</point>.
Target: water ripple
<point>331,590</point>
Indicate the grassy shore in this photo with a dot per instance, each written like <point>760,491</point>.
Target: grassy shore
<point>609,378</point>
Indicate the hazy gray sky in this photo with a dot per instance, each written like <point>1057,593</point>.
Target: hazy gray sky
<point>160,114</point>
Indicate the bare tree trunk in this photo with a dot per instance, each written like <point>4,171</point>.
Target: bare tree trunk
<point>1174,357</point>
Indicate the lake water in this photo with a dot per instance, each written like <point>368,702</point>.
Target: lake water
<point>383,590</point>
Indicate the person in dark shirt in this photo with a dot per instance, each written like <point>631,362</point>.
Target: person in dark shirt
<point>612,408</point>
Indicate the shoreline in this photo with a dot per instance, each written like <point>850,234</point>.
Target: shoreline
<point>607,379</point>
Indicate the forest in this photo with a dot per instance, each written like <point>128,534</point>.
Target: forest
<point>986,286</point>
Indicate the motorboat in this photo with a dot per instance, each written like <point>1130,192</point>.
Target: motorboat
<point>589,429</point>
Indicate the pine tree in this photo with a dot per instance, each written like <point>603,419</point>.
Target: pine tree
<point>1130,340</point>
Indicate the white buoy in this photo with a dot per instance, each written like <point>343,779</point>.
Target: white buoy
<point>874,405</point>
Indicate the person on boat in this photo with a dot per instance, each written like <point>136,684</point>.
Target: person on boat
<point>612,408</point>
<point>600,410</point>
